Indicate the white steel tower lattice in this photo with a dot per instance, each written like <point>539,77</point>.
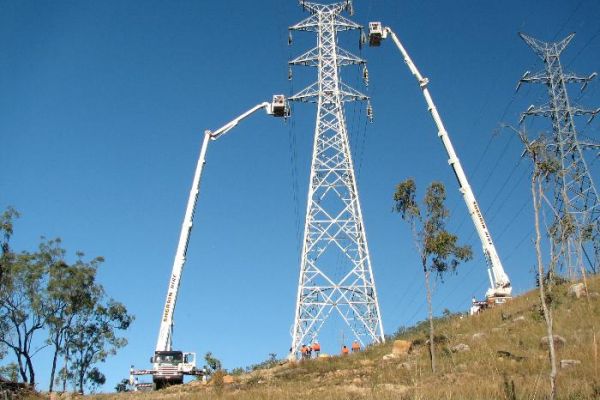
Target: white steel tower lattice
<point>575,194</point>
<point>335,270</point>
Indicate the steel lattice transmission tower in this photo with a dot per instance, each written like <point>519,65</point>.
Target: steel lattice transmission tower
<point>335,270</point>
<point>576,200</point>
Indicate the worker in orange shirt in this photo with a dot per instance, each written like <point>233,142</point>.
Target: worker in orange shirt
<point>316,348</point>
<point>355,346</point>
<point>345,350</point>
<point>304,351</point>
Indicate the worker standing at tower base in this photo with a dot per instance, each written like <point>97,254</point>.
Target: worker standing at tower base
<point>316,348</point>
<point>304,351</point>
<point>345,350</point>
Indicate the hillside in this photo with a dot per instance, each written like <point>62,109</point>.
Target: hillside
<point>504,360</point>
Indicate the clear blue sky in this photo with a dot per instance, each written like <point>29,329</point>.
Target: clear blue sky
<point>102,108</point>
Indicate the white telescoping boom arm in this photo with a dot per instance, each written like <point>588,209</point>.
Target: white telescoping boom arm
<point>277,108</point>
<point>500,284</point>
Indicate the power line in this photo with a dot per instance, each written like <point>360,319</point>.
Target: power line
<point>508,196</point>
<point>567,20</point>
<point>513,219</point>
<point>501,188</point>
<point>519,244</point>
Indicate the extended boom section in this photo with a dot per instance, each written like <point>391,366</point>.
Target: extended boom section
<point>169,366</point>
<point>500,287</point>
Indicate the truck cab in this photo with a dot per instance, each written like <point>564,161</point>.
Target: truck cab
<point>170,366</point>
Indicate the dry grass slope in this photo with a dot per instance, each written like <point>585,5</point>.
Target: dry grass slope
<point>505,361</point>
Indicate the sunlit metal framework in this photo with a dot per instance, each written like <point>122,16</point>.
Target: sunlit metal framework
<point>576,201</point>
<point>335,270</point>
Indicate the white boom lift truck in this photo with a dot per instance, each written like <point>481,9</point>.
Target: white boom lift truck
<point>169,366</point>
<point>500,288</point>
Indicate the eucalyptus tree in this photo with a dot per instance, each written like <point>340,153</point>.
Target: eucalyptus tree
<point>6,257</point>
<point>72,290</point>
<point>438,249</point>
<point>6,231</point>
<point>47,301</point>
<point>23,308</point>
<point>545,165</point>
<point>93,337</point>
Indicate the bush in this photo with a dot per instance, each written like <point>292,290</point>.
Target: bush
<point>217,381</point>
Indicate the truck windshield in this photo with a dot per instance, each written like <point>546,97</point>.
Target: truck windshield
<point>169,358</point>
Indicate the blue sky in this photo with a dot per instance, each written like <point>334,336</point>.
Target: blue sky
<point>102,108</point>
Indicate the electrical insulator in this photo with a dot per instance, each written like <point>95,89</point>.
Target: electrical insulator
<point>289,38</point>
<point>369,112</point>
<point>350,8</point>
<point>366,75</point>
<point>290,73</point>
<point>363,39</point>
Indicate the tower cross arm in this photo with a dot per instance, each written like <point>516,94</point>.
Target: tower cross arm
<point>344,24</point>
<point>528,77</point>
<point>571,77</point>
<point>336,8</point>
<point>310,58</point>
<point>344,57</point>
<point>542,77</point>
<point>542,49</point>
<point>310,24</point>
<point>544,111</point>
<point>308,94</point>
<point>577,111</point>
<point>590,145</point>
<point>348,93</point>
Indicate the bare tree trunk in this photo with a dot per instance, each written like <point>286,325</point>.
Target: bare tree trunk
<point>31,371</point>
<point>430,312</point>
<point>53,371</point>
<point>66,370</point>
<point>536,194</point>
<point>587,297</point>
<point>80,379</point>
<point>22,370</point>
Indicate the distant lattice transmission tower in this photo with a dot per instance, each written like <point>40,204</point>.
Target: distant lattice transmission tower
<point>335,270</point>
<point>576,199</point>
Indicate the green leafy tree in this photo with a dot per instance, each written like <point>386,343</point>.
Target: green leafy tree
<point>438,248</point>
<point>95,379</point>
<point>213,364</point>
<point>41,293</point>
<point>23,309</point>
<point>6,231</point>
<point>92,338</point>
<point>10,372</point>
<point>6,258</point>
<point>122,386</point>
<point>72,290</point>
